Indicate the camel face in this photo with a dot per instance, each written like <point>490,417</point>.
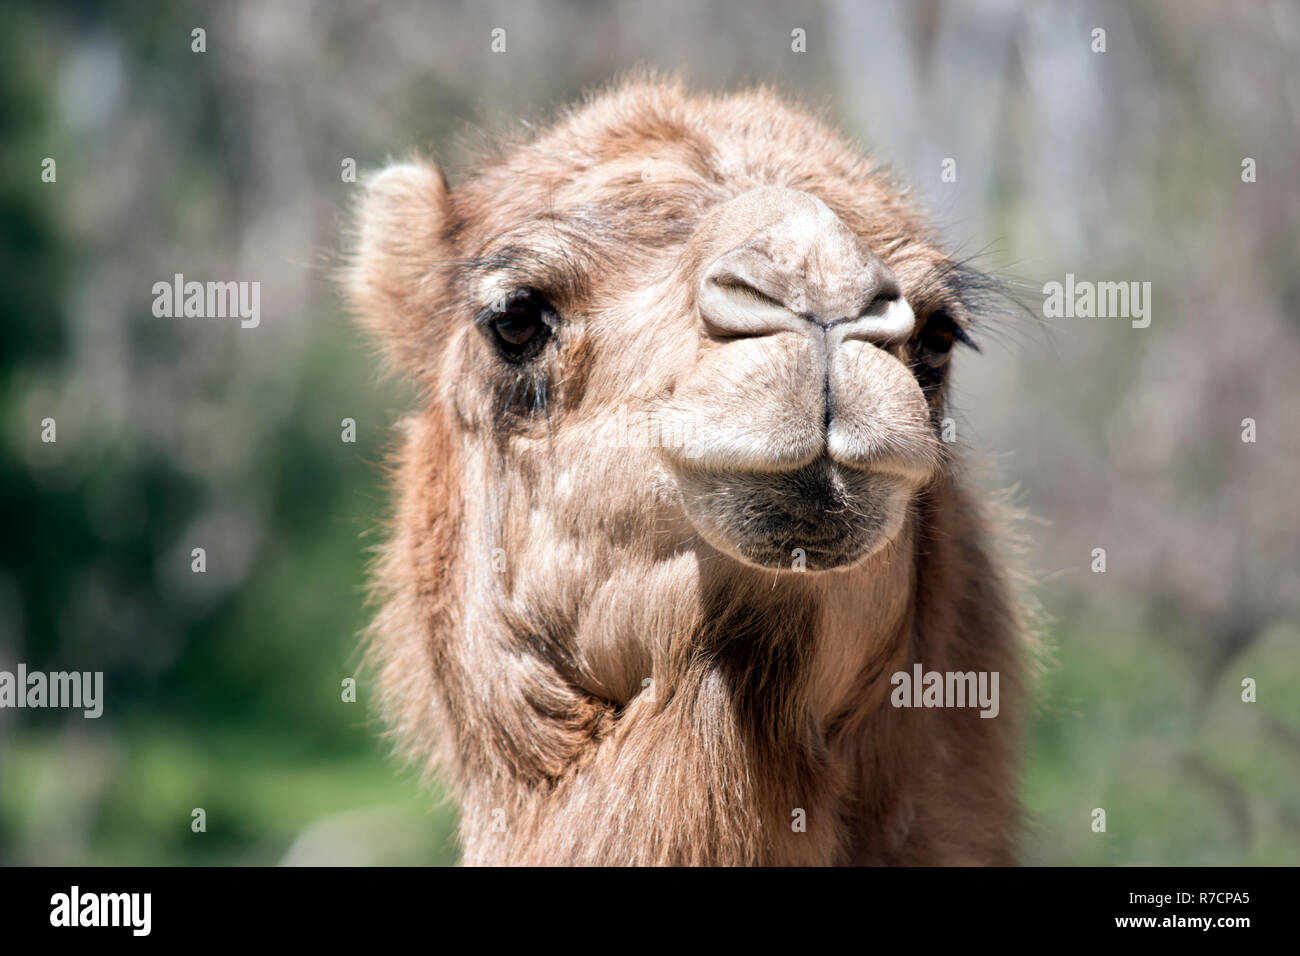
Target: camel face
<point>668,332</point>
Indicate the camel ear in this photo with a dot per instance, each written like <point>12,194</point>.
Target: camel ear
<point>397,278</point>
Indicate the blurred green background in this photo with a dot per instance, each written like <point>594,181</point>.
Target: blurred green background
<point>223,689</point>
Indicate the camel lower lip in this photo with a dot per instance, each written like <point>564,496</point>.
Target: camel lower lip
<point>817,517</point>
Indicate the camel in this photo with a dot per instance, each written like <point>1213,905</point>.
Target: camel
<point>679,643</point>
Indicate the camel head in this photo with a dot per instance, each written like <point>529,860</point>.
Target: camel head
<point>678,356</point>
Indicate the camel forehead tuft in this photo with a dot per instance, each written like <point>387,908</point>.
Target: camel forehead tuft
<point>645,159</point>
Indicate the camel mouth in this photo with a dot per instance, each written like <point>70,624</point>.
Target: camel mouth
<point>820,517</point>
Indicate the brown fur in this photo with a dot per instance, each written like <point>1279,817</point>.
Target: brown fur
<point>597,682</point>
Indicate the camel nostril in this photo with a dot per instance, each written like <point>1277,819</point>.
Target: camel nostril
<point>887,320</point>
<point>800,269</point>
<point>880,302</point>
<point>739,288</point>
<point>742,295</point>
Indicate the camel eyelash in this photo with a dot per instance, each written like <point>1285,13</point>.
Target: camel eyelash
<point>961,335</point>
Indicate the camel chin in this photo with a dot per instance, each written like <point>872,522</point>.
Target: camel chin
<point>821,517</point>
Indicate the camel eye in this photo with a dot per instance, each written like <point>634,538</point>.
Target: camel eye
<point>521,325</point>
<point>941,332</point>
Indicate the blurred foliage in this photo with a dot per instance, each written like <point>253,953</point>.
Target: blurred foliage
<point>224,689</point>
<point>230,702</point>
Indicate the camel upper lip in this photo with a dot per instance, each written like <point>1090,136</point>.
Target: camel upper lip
<point>890,466</point>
